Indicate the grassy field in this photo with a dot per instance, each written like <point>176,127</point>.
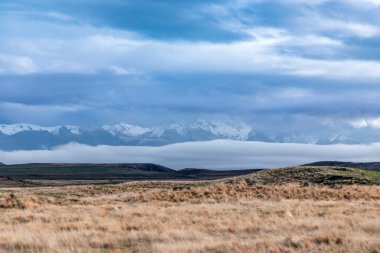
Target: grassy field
<point>264,212</point>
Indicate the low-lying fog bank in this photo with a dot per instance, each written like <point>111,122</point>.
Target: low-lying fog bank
<point>218,154</point>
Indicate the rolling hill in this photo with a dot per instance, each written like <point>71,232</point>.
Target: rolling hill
<point>364,166</point>
<point>320,175</point>
<point>325,173</point>
<point>123,172</point>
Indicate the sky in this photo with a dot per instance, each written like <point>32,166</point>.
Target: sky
<point>276,64</point>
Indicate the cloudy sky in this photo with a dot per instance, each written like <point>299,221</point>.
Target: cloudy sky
<point>271,63</point>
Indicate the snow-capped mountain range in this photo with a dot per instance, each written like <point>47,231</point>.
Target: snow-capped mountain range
<point>16,128</point>
<point>28,136</point>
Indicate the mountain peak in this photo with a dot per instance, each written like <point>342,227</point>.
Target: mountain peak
<point>223,129</point>
<point>22,127</point>
<point>126,129</point>
<point>29,136</point>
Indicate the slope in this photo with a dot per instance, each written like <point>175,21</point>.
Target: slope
<point>325,175</point>
<point>126,171</point>
<point>363,166</point>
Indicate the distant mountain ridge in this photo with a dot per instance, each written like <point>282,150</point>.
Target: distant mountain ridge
<point>17,128</point>
<point>31,137</point>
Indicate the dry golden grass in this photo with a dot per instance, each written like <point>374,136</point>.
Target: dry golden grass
<point>189,217</point>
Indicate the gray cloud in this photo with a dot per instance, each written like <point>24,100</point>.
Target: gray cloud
<point>287,64</point>
<point>218,154</point>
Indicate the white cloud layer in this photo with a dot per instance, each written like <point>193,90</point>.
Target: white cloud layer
<point>316,22</point>
<point>251,56</point>
<point>361,123</point>
<point>371,3</point>
<point>17,64</point>
<point>218,154</point>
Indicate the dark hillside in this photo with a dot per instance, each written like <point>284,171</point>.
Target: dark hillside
<point>125,171</point>
<point>324,175</point>
<point>364,166</point>
<point>213,174</point>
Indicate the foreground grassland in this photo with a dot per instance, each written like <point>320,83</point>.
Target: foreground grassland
<point>222,216</point>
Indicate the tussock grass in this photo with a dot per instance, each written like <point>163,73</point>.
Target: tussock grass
<point>186,217</point>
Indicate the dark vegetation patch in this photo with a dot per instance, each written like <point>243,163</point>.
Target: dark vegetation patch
<point>375,166</point>
<point>308,175</point>
<point>41,174</point>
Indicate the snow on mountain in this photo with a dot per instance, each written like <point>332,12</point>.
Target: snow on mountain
<point>17,128</point>
<point>219,129</point>
<point>73,129</point>
<point>337,138</point>
<point>125,129</point>
<point>223,129</point>
<point>57,129</point>
<point>159,131</point>
<point>37,137</point>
